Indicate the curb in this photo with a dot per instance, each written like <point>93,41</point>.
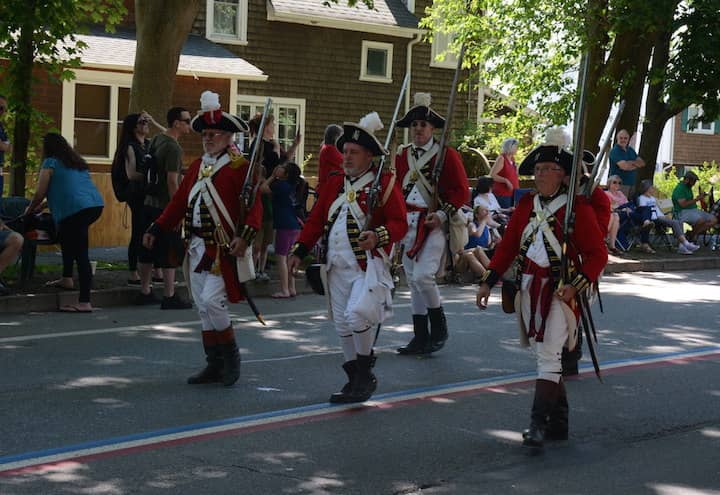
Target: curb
<point>124,296</point>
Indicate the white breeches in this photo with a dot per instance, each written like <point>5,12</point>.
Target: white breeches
<point>208,292</point>
<point>420,272</point>
<point>346,286</point>
<point>548,353</point>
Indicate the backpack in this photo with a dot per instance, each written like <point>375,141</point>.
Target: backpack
<point>300,197</point>
<point>126,190</point>
<point>150,171</point>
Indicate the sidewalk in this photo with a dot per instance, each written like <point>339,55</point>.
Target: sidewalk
<point>112,289</point>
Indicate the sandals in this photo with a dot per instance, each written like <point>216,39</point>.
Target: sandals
<point>645,248</point>
<point>58,285</point>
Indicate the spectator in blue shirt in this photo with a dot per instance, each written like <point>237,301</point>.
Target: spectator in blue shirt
<point>624,162</point>
<point>75,204</point>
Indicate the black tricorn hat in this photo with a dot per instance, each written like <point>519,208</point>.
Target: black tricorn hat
<point>422,111</point>
<point>363,133</point>
<point>314,279</point>
<point>211,116</point>
<point>546,153</point>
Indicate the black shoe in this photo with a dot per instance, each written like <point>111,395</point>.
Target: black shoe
<point>365,382</point>
<point>420,343</point>
<point>534,437</point>
<point>212,373</point>
<point>146,299</point>
<point>231,363</point>
<point>175,302</point>
<point>438,328</point>
<point>343,396</point>
<point>4,289</point>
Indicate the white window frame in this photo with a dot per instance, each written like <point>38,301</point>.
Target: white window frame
<point>699,130</point>
<point>114,80</point>
<point>278,102</point>
<point>376,45</point>
<point>440,44</point>
<point>241,38</point>
<point>410,5</point>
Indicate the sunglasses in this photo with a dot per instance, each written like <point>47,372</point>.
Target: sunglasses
<point>616,182</point>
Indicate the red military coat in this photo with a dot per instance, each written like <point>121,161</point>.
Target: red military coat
<point>229,183</point>
<point>389,221</point>
<point>586,249</point>
<point>453,183</point>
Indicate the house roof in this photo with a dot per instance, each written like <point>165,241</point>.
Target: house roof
<point>389,17</point>
<point>199,56</point>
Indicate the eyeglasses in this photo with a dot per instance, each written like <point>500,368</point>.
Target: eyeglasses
<point>211,135</point>
<point>616,182</point>
<point>545,170</point>
<point>419,123</point>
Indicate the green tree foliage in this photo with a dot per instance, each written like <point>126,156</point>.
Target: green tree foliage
<point>41,34</point>
<point>529,50</point>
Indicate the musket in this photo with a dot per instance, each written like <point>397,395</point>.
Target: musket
<point>569,223</point>
<point>598,171</point>
<point>440,160</point>
<point>376,185</point>
<point>248,195</point>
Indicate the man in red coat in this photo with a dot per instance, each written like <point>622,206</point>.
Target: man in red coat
<point>357,254</point>
<point>425,242</point>
<point>219,253</point>
<point>545,303</point>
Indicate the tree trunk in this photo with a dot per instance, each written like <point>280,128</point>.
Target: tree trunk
<point>162,28</point>
<point>21,135</point>
<point>657,112</point>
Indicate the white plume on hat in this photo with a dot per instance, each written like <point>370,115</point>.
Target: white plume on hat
<point>423,99</point>
<point>371,122</point>
<point>209,101</point>
<point>557,136</point>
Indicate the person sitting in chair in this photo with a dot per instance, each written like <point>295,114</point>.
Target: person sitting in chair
<point>647,199</point>
<point>629,215</point>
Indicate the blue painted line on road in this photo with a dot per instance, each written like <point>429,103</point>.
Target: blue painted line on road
<point>87,450</point>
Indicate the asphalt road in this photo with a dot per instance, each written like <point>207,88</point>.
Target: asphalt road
<point>98,403</point>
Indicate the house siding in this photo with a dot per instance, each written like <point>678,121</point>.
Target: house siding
<point>691,148</point>
<point>325,73</point>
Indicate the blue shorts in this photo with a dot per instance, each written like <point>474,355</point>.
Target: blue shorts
<point>4,234</point>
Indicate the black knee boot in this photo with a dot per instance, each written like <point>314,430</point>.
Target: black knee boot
<point>546,394</point>
<point>365,382</point>
<point>557,428</point>
<point>420,343</point>
<point>341,397</point>
<point>230,356</point>
<point>213,371</point>
<point>438,328</point>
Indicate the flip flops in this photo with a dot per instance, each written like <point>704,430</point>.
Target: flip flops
<point>73,308</point>
<point>58,285</point>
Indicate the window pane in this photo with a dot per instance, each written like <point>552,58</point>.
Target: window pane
<point>376,62</point>
<point>123,102</point>
<point>287,125</point>
<point>92,101</point>
<point>225,18</point>
<point>91,138</point>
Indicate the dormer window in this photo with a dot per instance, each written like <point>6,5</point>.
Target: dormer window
<point>226,21</point>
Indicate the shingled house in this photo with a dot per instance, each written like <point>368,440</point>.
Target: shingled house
<point>320,64</point>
